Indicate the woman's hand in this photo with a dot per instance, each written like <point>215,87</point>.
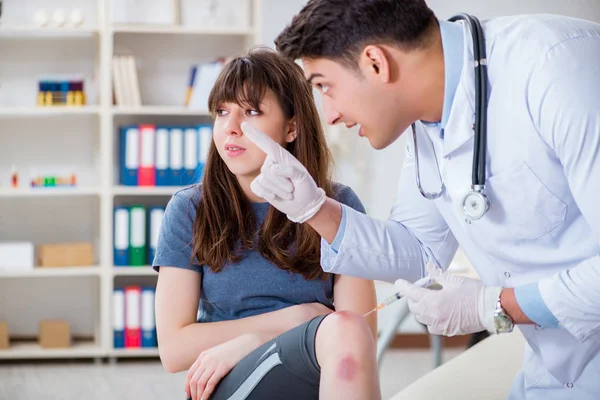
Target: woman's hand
<point>213,364</point>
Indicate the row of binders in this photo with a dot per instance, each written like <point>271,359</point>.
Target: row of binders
<point>163,156</point>
<point>134,318</point>
<point>134,245</point>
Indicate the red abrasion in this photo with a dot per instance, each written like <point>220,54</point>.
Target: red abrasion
<point>347,368</point>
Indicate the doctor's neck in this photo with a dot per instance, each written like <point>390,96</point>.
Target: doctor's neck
<point>422,77</point>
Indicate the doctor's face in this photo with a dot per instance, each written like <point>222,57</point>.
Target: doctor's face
<point>353,98</point>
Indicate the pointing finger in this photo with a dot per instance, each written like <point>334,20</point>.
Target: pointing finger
<point>263,141</point>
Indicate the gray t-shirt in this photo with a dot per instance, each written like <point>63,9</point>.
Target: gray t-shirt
<point>250,287</point>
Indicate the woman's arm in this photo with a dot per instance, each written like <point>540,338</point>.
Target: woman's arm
<point>181,338</point>
<point>356,295</point>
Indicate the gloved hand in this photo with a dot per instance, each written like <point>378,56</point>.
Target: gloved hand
<point>284,181</point>
<point>462,306</point>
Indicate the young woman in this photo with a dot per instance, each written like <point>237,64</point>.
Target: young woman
<point>241,301</point>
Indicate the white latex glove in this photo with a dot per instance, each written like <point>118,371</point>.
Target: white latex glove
<point>462,306</point>
<point>283,180</point>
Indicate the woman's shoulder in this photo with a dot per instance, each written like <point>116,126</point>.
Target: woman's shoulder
<point>191,193</point>
<point>345,195</point>
<point>185,200</point>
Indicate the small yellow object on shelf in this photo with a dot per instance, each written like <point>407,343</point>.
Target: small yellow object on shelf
<point>54,334</point>
<point>65,254</point>
<point>4,338</point>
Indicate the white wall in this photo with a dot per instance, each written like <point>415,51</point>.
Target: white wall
<point>275,16</point>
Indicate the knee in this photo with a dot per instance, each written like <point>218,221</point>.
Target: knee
<point>345,331</point>
<point>344,344</point>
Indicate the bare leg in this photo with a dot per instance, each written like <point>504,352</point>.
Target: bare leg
<point>346,353</point>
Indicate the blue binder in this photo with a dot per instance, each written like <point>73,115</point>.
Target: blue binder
<point>121,236</point>
<point>204,142</point>
<point>163,174</point>
<point>148,318</point>
<point>190,155</point>
<point>155,217</point>
<point>176,156</point>
<point>118,306</point>
<point>130,155</point>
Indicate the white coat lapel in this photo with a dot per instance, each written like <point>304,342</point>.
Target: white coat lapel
<point>459,128</point>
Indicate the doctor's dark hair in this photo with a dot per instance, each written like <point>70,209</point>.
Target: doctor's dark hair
<point>340,29</point>
<point>225,224</point>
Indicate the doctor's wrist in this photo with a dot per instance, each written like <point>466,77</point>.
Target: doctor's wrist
<point>511,307</point>
<point>327,220</point>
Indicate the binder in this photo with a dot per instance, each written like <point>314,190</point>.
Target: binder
<point>156,217</point>
<point>118,305</point>
<point>137,236</point>
<point>176,156</point>
<point>204,143</point>
<point>190,155</point>
<point>147,172</point>
<point>130,155</point>
<point>162,156</point>
<point>133,331</point>
<point>148,318</point>
<point>121,236</point>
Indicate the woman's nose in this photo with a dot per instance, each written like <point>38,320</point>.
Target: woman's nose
<point>233,126</point>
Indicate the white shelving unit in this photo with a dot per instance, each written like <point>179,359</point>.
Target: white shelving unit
<point>68,111</point>
<point>21,351</point>
<point>145,270</point>
<point>58,272</point>
<point>84,140</point>
<point>156,110</point>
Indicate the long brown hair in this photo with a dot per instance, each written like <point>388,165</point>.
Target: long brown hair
<point>225,224</point>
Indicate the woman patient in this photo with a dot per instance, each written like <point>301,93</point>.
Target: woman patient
<point>241,301</point>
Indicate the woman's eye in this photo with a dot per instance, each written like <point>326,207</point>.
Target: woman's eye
<point>253,113</point>
<point>322,87</point>
<point>220,112</point>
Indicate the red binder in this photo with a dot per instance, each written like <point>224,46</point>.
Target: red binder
<point>133,315</point>
<point>147,169</point>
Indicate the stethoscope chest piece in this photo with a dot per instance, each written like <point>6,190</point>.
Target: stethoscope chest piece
<point>475,204</point>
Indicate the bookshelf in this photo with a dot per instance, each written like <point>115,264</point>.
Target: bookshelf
<point>156,110</point>
<point>84,139</point>
<point>49,192</point>
<point>58,272</point>
<point>31,350</point>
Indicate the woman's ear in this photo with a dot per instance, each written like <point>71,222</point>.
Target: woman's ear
<point>292,132</point>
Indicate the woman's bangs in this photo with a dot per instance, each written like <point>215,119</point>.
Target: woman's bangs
<point>241,83</point>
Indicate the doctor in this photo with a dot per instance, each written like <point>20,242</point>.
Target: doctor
<point>504,160</point>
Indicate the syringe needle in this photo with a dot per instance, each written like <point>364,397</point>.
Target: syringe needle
<point>379,307</point>
<point>424,282</point>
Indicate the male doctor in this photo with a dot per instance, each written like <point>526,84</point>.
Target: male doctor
<point>532,233</point>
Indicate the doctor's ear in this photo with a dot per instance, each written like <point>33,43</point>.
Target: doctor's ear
<point>374,63</point>
<point>292,131</point>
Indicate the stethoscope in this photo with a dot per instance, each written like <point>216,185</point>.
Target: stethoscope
<point>475,203</point>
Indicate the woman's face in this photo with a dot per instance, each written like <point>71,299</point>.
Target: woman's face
<point>243,158</point>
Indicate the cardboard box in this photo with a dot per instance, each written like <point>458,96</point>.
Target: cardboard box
<point>18,255</point>
<point>4,338</point>
<point>54,334</point>
<point>66,254</point>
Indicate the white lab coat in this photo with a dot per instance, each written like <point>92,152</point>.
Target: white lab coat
<point>543,179</point>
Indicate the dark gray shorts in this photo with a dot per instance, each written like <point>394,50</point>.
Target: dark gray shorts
<point>283,368</point>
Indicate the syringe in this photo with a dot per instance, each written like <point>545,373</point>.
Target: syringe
<point>423,282</point>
